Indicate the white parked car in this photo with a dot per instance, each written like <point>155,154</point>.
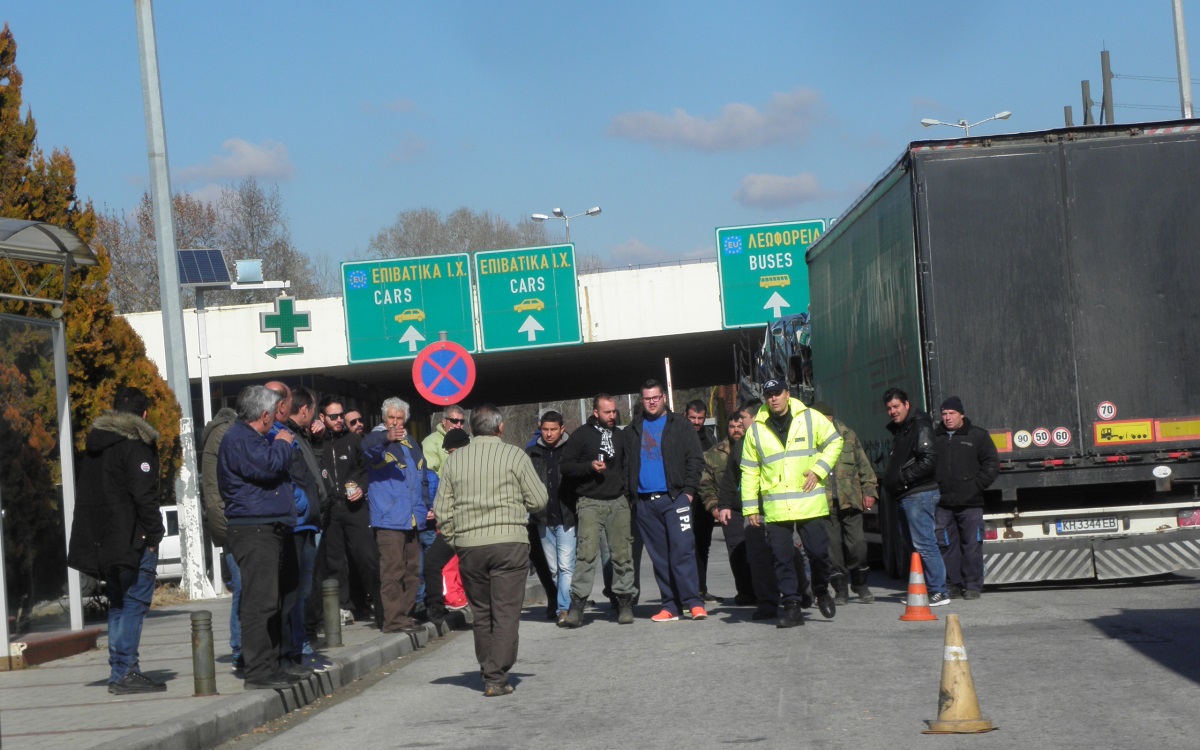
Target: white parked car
<point>170,565</point>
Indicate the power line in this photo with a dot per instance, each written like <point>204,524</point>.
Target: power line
<point>1160,79</point>
<point>1164,107</point>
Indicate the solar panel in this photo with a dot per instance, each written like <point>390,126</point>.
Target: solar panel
<point>202,267</point>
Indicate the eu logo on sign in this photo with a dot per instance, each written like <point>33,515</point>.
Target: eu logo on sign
<point>733,245</point>
<point>358,279</point>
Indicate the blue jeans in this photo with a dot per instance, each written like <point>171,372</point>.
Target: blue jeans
<point>306,560</point>
<point>129,593</point>
<point>427,536</point>
<point>558,542</point>
<point>235,622</point>
<point>917,525</point>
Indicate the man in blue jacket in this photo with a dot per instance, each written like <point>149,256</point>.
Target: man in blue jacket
<point>252,476</point>
<point>398,492</point>
<point>664,467</point>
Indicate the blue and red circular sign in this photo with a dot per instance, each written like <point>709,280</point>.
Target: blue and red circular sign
<point>443,373</point>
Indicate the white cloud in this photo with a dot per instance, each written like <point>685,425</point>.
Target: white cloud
<point>787,118</point>
<point>268,160</point>
<point>412,147</point>
<point>778,191</point>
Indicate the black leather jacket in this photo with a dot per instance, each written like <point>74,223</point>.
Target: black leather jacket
<point>912,465</point>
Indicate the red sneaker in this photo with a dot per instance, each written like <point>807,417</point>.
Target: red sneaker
<point>665,616</point>
<point>698,613</point>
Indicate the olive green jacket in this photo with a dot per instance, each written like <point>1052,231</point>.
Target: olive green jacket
<point>853,474</point>
<point>716,459</point>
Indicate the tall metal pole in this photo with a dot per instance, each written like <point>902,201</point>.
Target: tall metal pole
<point>66,457</point>
<point>186,494</point>
<point>1181,60</point>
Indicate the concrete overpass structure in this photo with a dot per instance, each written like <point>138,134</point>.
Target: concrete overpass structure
<point>631,320</point>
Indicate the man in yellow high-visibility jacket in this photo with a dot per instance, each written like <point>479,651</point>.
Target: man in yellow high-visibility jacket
<point>787,454</point>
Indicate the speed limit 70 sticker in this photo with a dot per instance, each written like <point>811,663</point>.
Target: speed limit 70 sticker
<point>1106,410</point>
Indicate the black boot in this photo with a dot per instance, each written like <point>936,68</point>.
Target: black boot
<point>841,589</point>
<point>575,614</point>
<point>826,604</point>
<point>792,615</point>
<point>859,584</point>
<point>624,609</point>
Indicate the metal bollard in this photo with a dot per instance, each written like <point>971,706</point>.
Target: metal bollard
<point>333,612</point>
<point>204,668</point>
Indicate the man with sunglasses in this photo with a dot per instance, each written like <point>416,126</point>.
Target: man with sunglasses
<point>354,422</point>
<point>347,534</point>
<point>435,454</point>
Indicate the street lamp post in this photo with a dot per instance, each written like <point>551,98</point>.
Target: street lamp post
<point>966,127</point>
<point>559,214</point>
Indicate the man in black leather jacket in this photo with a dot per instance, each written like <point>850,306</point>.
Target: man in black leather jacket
<point>911,482</point>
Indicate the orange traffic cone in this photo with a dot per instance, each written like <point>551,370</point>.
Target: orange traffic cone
<point>958,706</point>
<point>918,596</point>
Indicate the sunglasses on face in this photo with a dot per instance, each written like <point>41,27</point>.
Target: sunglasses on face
<point>460,420</point>
<point>354,422</point>
<point>335,417</point>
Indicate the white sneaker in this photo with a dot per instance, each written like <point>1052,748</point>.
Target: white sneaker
<point>347,617</point>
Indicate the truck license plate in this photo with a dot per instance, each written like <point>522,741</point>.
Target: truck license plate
<point>1085,525</point>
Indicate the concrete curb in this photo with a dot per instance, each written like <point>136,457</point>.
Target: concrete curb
<point>241,713</point>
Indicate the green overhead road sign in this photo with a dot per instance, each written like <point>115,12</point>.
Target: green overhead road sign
<point>762,269</point>
<point>528,298</point>
<point>395,307</point>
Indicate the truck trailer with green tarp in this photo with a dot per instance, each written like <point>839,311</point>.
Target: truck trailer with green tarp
<point>1049,280</point>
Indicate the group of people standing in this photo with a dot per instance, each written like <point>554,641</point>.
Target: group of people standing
<point>295,493</point>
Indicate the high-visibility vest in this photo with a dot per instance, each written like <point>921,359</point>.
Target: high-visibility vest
<point>775,472</point>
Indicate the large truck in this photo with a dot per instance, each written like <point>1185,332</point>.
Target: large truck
<point>1052,281</point>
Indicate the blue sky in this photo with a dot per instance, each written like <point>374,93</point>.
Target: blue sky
<point>674,117</point>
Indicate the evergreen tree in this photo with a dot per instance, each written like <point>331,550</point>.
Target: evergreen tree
<point>103,351</point>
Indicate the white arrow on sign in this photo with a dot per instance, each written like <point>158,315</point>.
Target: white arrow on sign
<point>531,327</point>
<point>411,337</point>
<point>776,305</point>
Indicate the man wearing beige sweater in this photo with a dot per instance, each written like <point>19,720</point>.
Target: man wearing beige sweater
<point>486,493</point>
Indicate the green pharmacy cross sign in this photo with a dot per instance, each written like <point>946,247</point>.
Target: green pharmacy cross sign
<point>528,298</point>
<point>395,307</point>
<point>285,322</point>
<point>763,273</point>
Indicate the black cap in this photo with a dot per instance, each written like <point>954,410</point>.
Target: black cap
<point>456,438</point>
<point>774,386</point>
<point>954,403</point>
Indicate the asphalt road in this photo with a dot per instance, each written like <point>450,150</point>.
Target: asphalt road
<point>1102,665</point>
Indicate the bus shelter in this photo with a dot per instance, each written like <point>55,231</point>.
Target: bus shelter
<point>37,487</point>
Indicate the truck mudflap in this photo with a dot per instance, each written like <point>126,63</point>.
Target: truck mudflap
<point>1097,557</point>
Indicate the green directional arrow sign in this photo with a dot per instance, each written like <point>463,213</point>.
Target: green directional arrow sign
<point>528,298</point>
<point>395,307</point>
<point>762,269</point>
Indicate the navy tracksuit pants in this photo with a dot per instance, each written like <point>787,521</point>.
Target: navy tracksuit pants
<point>666,526</point>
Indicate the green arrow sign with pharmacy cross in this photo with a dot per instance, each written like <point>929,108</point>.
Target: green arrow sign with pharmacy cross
<point>285,322</point>
<point>762,269</point>
<point>395,307</point>
<point>528,298</point>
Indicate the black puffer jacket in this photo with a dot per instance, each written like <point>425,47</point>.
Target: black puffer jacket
<point>560,508</point>
<point>967,465</point>
<point>116,496</point>
<point>912,465</point>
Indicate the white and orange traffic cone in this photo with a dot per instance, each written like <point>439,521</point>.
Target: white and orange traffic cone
<point>918,596</point>
<point>958,706</point>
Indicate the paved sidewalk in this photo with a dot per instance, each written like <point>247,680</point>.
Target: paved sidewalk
<point>66,703</point>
